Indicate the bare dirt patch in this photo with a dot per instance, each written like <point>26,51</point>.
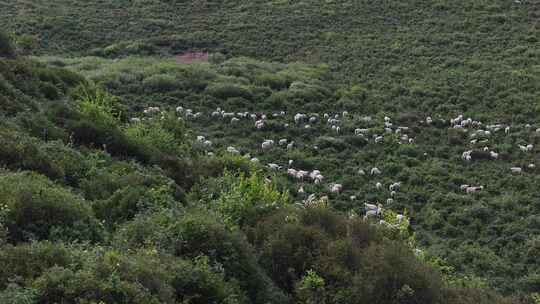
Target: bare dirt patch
<point>191,57</point>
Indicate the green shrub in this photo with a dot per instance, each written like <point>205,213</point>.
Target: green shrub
<point>248,199</point>
<point>160,83</point>
<point>6,46</point>
<point>39,209</point>
<point>195,233</point>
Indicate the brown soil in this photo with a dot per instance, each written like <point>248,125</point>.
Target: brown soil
<point>190,57</point>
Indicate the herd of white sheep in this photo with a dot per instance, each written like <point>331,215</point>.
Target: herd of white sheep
<point>478,132</point>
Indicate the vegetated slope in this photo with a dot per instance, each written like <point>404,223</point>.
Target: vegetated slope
<point>478,57</point>
<point>94,211</point>
<point>490,234</point>
<point>407,60</point>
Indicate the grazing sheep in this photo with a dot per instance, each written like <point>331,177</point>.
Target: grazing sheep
<point>378,185</point>
<point>515,169</point>
<point>470,190</point>
<point>290,146</point>
<point>494,155</point>
<point>361,172</point>
<point>318,179</point>
<point>336,188</point>
<point>274,167</point>
<point>299,117</point>
<point>291,172</point>
<point>507,130</point>
<point>389,201</point>
<point>267,144</point>
<point>282,142</point>
<point>393,193</point>
<point>379,139</point>
<point>259,124</point>
<point>429,120</point>
<point>395,186</point>
<point>360,131</point>
<point>467,155</point>
<point>234,120</point>
<point>233,150</point>
<point>135,120</point>
<point>151,110</point>
<point>375,171</point>
<point>301,174</point>
<point>463,187</point>
<point>372,210</point>
<point>254,160</point>
<point>207,143</point>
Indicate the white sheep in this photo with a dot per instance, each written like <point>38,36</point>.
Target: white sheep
<point>515,170</point>
<point>470,190</point>
<point>267,144</point>
<point>274,166</point>
<point>291,172</point>
<point>375,171</point>
<point>394,186</point>
<point>233,150</point>
<point>336,188</point>
<point>360,131</point>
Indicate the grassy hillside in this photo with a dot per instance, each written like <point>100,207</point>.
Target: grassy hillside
<point>74,117</point>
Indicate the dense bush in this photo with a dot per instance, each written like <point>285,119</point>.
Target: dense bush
<point>39,210</point>
<point>6,46</point>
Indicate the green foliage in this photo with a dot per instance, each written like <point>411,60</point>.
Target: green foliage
<point>310,289</point>
<point>246,242</point>
<point>248,199</point>
<point>167,135</point>
<point>6,46</point>
<point>97,106</point>
<point>38,210</point>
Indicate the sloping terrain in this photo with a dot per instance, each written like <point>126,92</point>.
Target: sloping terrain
<point>441,97</point>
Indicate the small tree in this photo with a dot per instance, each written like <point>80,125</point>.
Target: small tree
<point>310,290</point>
<point>6,46</point>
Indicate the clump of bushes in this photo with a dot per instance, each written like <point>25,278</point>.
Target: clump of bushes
<point>37,209</point>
